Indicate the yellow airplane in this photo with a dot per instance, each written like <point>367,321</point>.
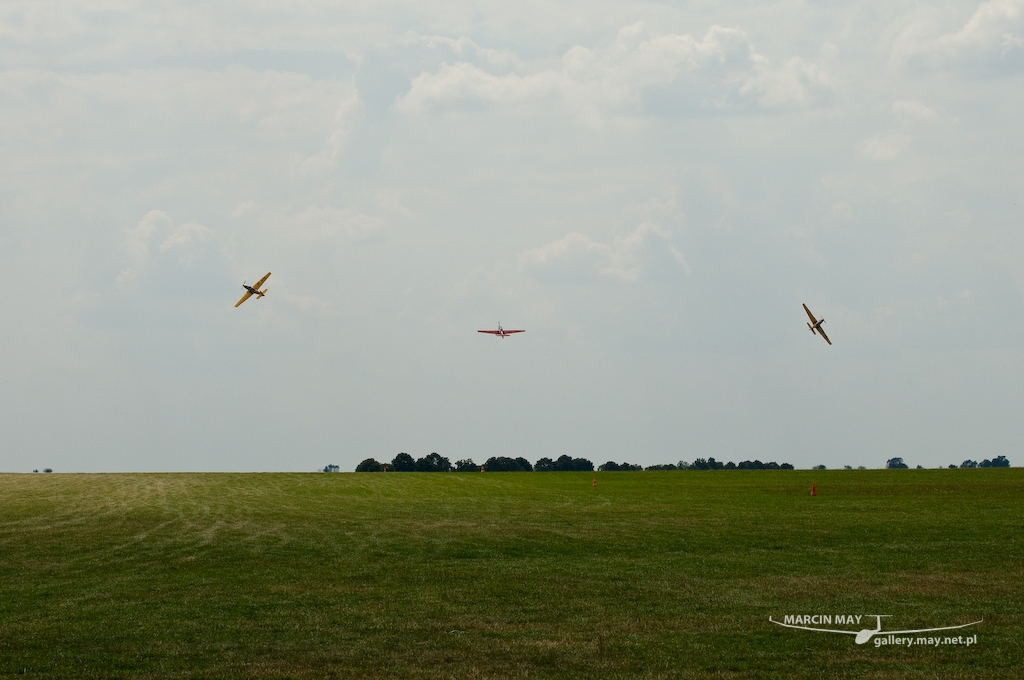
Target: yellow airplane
<point>253,290</point>
<point>816,327</point>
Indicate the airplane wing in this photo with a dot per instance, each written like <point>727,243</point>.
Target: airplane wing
<point>823,630</point>
<point>813,320</point>
<point>822,331</point>
<point>519,331</point>
<point>244,298</point>
<point>492,332</point>
<point>261,281</point>
<point>925,630</point>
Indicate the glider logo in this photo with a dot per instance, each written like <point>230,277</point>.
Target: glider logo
<point>886,637</point>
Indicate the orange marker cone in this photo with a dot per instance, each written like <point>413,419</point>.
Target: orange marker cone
<point>814,492</point>
<point>595,482</point>
<point>481,468</point>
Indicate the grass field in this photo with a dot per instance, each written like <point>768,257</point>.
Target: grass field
<point>653,574</point>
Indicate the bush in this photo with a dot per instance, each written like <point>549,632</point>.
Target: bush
<point>896,464</point>
<point>998,461</point>
<point>506,464</point>
<point>433,463</point>
<point>466,465</point>
<point>403,462</point>
<point>369,465</point>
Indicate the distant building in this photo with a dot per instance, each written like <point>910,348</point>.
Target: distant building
<point>332,468</point>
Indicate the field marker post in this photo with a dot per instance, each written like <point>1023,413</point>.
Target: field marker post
<point>814,492</point>
<point>595,482</point>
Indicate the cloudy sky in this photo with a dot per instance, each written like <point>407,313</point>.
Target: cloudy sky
<point>650,189</point>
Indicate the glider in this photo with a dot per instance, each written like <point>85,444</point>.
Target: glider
<point>501,332</point>
<point>866,634</point>
<point>253,290</point>
<point>815,327</point>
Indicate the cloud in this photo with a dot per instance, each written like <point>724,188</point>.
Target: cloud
<point>323,224</point>
<point>884,148</point>
<point>186,234</point>
<point>637,73</point>
<point>189,255</point>
<point>646,253</point>
<point>993,35</point>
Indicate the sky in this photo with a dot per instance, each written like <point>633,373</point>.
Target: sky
<point>650,189</point>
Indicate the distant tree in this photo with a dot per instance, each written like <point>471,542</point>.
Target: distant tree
<point>563,464</point>
<point>819,467</point>
<point>861,467</point>
<point>47,470</point>
<point>969,464</point>
<point>847,467</point>
<point>369,465</point>
<point>524,464</point>
<point>504,464</point>
<point>952,467</point>
<point>896,464</point>
<point>682,465</point>
<point>544,465</point>
<point>919,467</point>
<point>433,463</point>
<point>466,465</point>
<point>998,461</point>
<point>332,468</point>
<point>772,466</point>
<point>699,464</point>
<point>611,466</point>
<point>750,465</point>
<point>582,465</point>
<point>666,466</point>
<point>786,466</point>
<point>403,462</point>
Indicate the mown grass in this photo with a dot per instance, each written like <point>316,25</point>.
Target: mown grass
<point>653,574</point>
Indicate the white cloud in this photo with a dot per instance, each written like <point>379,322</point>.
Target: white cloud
<point>325,224</point>
<point>883,148</point>
<point>186,234</point>
<point>645,253</point>
<point>993,34</point>
<point>181,247</point>
<point>639,72</point>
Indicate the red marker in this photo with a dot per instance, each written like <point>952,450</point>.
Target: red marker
<point>814,492</point>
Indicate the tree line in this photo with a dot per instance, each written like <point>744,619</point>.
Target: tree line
<point>435,462</point>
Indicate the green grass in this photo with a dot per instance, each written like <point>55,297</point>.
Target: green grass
<point>653,574</point>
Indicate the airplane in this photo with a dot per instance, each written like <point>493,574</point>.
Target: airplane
<point>501,332</point>
<point>817,325</point>
<point>253,290</point>
<point>867,633</point>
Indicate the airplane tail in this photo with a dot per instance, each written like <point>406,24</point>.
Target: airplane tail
<point>264,292</point>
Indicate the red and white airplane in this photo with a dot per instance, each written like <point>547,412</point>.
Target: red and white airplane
<point>501,332</point>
